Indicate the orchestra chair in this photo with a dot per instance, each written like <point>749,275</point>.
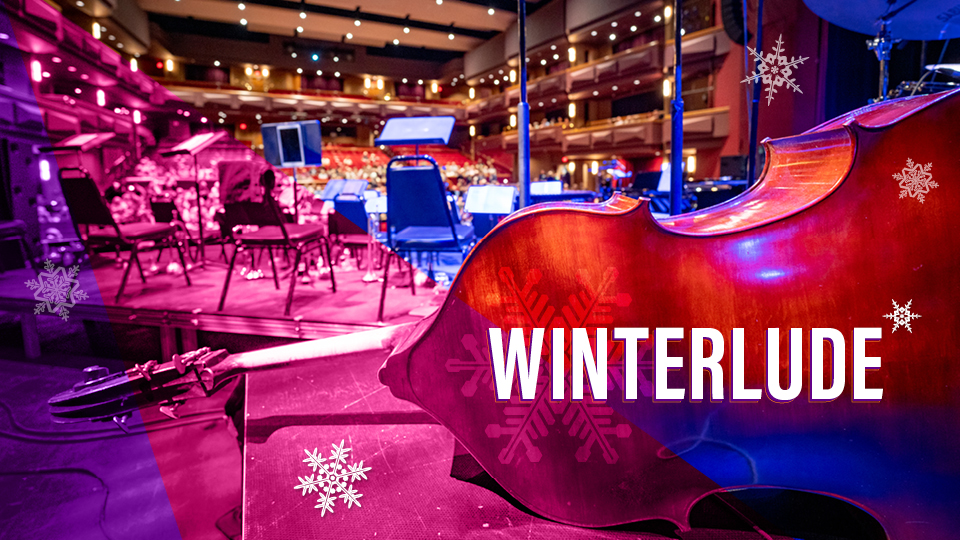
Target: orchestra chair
<point>167,212</point>
<point>97,228</point>
<point>272,232</point>
<point>348,224</point>
<point>420,217</point>
<point>15,230</point>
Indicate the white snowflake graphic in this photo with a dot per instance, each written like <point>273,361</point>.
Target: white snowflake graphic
<point>524,423</point>
<point>774,70</point>
<point>57,289</point>
<point>915,180</point>
<point>901,316</point>
<point>332,477</point>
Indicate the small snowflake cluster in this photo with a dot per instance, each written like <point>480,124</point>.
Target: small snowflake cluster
<point>916,180</point>
<point>56,289</point>
<point>902,316</point>
<point>332,477</point>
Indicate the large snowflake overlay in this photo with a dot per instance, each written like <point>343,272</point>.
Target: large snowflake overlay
<point>526,422</point>
<point>57,289</point>
<point>332,477</point>
<point>902,316</point>
<point>774,70</point>
<point>916,180</point>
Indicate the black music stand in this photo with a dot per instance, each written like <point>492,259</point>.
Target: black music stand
<point>193,146</point>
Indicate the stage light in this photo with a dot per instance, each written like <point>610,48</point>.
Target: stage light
<point>366,82</point>
<point>379,84</point>
<point>667,12</point>
<point>513,120</point>
<point>248,71</point>
<point>101,98</point>
<point>572,110</point>
<point>137,118</point>
<point>472,92</point>
<point>434,87</point>
<point>594,167</point>
<point>491,11</point>
<point>571,167</point>
<point>473,131</point>
<point>96,30</point>
<point>691,164</point>
<point>36,71</point>
<point>44,170</point>
<point>667,88</point>
<point>265,72</point>
<point>315,57</point>
<point>513,75</point>
<point>169,65</point>
<point>243,126</point>
<point>133,64</point>
<point>572,54</point>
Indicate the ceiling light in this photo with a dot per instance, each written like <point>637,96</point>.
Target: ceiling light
<point>613,24</point>
<point>356,22</point>
<point>258,116</point>
<point>513,120</point>
<point>379,84</point>
<point>79,4</point>
<point>572,54</point>
<point>636,13</point>
<point>386,97</point>
<point>344,120</point>
<point>336,74</point>
<point>299,70</point>
<point>137,118</point>
<point>613,37</point>
<point>404,80</point>
<point>419,81</point>
<point>596,93</point>
<point>120,45</point>
<point>299,29</point>
<point>216,63</point>
<point>636,82</point>
<point>396,41</point>
<point>111,37</point>
<point>667,12</point>
<point>248,71</point>
<point>434,87</point>
<point>553,47</point>
<point>594,33</point>
<point>439,2</point>
<point>315,57</point>
<point>513,75</point>
<point>293,55</point>
<point>265,72</point>
<point>406,30</point>
<point>482,80</point>
<point>241,6</point>
<point>657,19</point>
<point>101,98</point>
<point>554,100</point>
<point>540,104</point>
<point>133,64</point>
<point>366,82</point>
<point>491,11</point>
<point>615,88</point>
<point>221,120</point>
<point>319,72</point>
<point>683,31</point>
<point>169,64</point>
<point>556,57</point>
<point>96,30</point>
<point>496,81</point>
<point>349,35</point>
<point>473,131</point>
<point>543,62</point>
<point>633,28</point>
<point>303,15</point>
<point>450,36</point>
<point>243,22</point>
<point>336,58</point>
<point>36,71</point>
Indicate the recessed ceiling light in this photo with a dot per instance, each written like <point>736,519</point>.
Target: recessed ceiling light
<point>636,81</point>
<point>356,22</point>
<point>336,58</point>
<point>554,100</point>
<point>615,88</point>
<point>439,2</point>
<point>216,63</point>
<point>119,45</point>
<point>293,55</point>
<point>556,57</point>
<point>241,6</point>
<point>543,62</point>
<point>613,24</point>
<point>613,37</point>
<point>396,41</point>
<point>540,104</point>
<point>299,70</point>
<point>491,11</point>
<point>419,81</point>
<point>636,13</point>
<point>80,4</point>
<point>594,33</point>
<point>404,80</point>
<point>683,31</point>
<point>406,30</point>
<point>243,22</point>
<point>349,35</point>
<point>111,37</point>
<point>299,29</point>
<point>303,15</point>
<point>482,80</point>
<point>633,28</point>
<point>336,74</point>
<point>319,72</point>
<point>450,36</point>
<point>596,93</point>
<point>656,19</point>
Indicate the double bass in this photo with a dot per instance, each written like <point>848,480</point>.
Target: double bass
<point>851,223</point>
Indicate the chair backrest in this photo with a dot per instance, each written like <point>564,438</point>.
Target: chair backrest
<point>417,196</point>
<point>84,201</point>
<point>349,217</point>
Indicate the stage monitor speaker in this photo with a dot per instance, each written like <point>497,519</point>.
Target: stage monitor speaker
<point>732,13</point>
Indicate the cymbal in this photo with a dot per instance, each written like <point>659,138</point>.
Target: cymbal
<point>920,20</point>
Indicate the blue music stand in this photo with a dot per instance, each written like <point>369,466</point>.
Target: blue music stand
<point>416,131</point>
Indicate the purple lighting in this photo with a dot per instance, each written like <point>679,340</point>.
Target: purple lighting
<point>36,71</point>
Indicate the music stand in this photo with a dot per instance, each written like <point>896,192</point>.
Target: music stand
<point>193,146</point>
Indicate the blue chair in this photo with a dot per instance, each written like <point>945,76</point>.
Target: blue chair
<point>420,217</point>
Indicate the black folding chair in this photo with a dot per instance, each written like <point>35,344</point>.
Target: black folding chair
<point>272,232</point>
<point>15,230</point>
<point>96,226</point>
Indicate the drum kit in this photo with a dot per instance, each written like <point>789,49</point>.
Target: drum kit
<point>892,21</point>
